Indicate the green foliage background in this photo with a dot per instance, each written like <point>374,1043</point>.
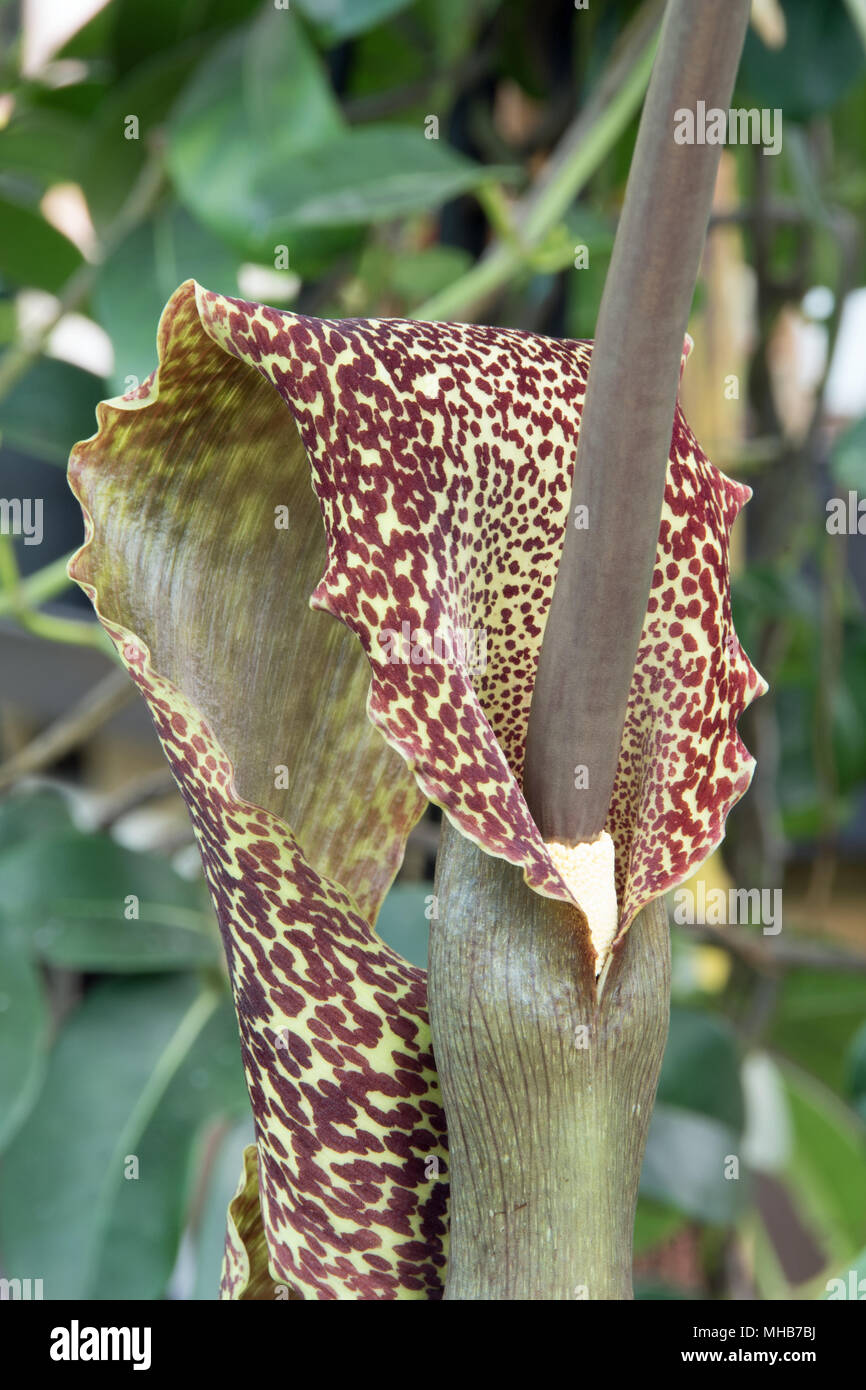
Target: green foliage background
<point>261,131</point>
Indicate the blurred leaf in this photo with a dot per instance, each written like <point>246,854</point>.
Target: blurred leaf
<point>32,252</point>
<point>453,25</point>
<point>132,1074</point>
<point>148,1217</point>
<point>110,164</point>
<point>368,175</point>
<point>66,895</point>
<point>142,32</point>
<point>418,275</point>
<point>849,711</point>
<point>90,40</point>
<point>341,19</point>
<point>43,144</point>
<point>701,1068</point>
<point>52,406</point>
<point>828,1167</point>
<point>765,592</point>
<point>259,98</point>
<point>654,1224</point>
<point>855,1071</point>
<point>816,1018</point>
<point>143,273</point>
<point>259,152</point>
<point>684,1165</point>
<point>391,64</point>
<point>24,815</point>
<point>76,99</point>
<point>821,57</point>
<point>403,923</point>
<point>848,457</point>
<point>23,1037</point>
<point>8,322</point>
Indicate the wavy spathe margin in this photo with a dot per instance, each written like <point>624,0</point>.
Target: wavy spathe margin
<point>442,457</point>
<point>334,1030</point>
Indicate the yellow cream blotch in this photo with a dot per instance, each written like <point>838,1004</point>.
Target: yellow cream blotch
<point>588,871</point>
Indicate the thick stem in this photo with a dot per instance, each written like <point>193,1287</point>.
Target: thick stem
<point>548,1090</point>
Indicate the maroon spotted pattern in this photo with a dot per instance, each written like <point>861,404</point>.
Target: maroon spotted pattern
<point>334,1039</point>
<point>442,456</point>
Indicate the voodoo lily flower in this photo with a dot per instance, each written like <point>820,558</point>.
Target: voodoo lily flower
<point>441,460</point>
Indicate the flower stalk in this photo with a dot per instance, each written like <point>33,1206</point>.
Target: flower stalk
<point>547,1138</point>
<point>599,603</point>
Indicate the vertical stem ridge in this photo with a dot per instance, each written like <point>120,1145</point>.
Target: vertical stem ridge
<point>548,1089</point>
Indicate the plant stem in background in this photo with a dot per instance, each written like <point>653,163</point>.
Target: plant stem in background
<point>19,597</point>
<point>600,598</point>
<point>582,150</point>
<point>71,730</point>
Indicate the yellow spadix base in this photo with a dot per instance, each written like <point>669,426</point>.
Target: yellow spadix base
<point>588,871</point>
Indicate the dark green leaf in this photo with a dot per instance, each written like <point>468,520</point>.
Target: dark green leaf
<point>132,1075</point>
<point>43,144</point>
<point>73,898</point>
<point>828,1164</point>
<point>27,814</point>
<point>341,19</point>
<point>32,252</point>
<point>855,1070</point>
<point>816,1018</point>
<point>143,273</point>
<point>258,99</point>
<point>149,1215</point>
<point>110,163</point>
<point>701,1069</point>
<point>822,55</point>
<point>50,408</point>
<point>368,175</point>
<point>142,32</point>
<point>23,1037</point>
<point>259,152</point>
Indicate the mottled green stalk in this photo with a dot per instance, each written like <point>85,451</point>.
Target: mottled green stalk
<point>548,1090</point>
